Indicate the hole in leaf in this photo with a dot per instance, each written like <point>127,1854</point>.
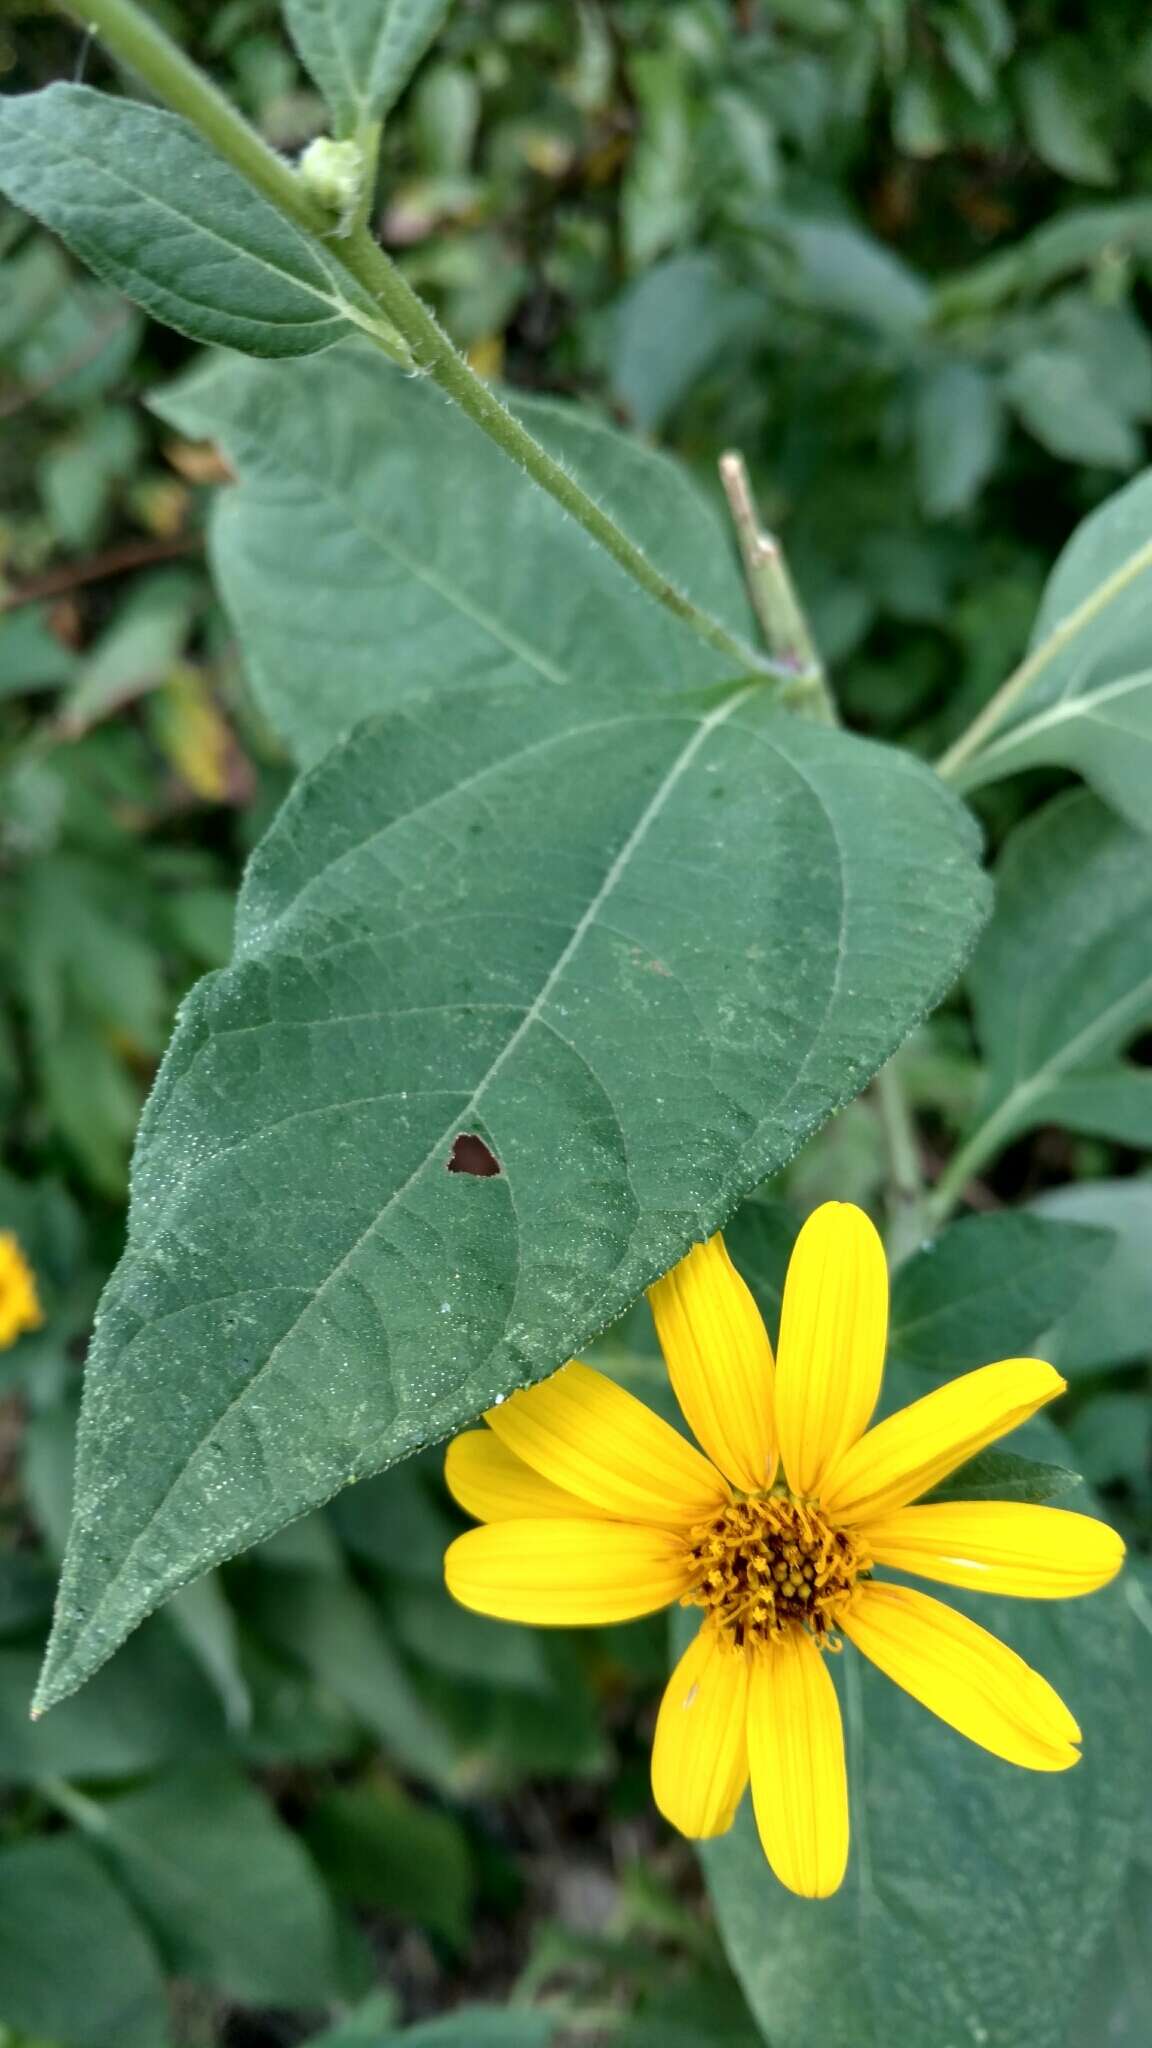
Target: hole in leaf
<point>471,1155</point>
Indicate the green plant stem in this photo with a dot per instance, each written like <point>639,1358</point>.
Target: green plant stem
<point>965,1164</point>
<point>73,1804</point>
<point>144,47</point>
<point>1034,664</point>
<point>773,594</point>
<point>789,637</point>
<point>906,1201</point>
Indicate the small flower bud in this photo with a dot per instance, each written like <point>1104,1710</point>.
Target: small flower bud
<point>332,172</point>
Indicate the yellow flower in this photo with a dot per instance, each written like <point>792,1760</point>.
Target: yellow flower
<point>19,1302</point>
<point>596,1511</point>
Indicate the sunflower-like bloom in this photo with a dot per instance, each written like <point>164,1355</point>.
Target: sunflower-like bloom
<point>596,1510</point>
<point>19,1302</point>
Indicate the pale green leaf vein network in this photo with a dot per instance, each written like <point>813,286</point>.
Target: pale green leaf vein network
<point>647,819</point>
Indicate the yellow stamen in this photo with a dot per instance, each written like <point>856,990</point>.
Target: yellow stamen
<point>769,1563</point>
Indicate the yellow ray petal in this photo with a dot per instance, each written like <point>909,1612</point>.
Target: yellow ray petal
<point>700,1754</point>
<point>796,1753</point>
<point>969,1678</point>
<point>566,1573</point>
<point>490,1483</point>
<point>719,1360</point>
<point>1000,1546</point>
<point>833,1329</point>
<point>590,1437</point>
<point>921,1444</point>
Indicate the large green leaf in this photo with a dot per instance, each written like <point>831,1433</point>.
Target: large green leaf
<point>378,546</point>
<point>142,198</point>
<point>1088,702</point>
<point>1062,979</point>
<point>1112,1322</point>
<point>232,1897</point>
<point>967,1876</point>
<point>76,1967</point>
<point>989,1287</point>
<point>637,954</point>
<point>362,53</point>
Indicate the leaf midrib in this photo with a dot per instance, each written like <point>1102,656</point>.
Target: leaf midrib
<point>1003,1116</point>
<point>1064,712</point>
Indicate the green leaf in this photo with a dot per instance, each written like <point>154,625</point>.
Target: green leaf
<point>1062,979</point>
<point>1115,1103</point>
<point>377,1847</point>
<point>966,1875</point>
<point>1112,1324</point>
<point>315,1614</point>
<point>231,1896</point>
<point>660,198</point>
<point>76,1967</point>
<point>376,535</point>
<point>988,1288</point>
<point>480,2026</point>
<point>1005,1475</point>
<point>1102,574</point>
<point>147,1708</point>
<point>1117,1998</point>
<point>470,2026</point>
<point>1088,704</point>
<point>1103,734</point>
<point>368,2026</point>
<point>1057,103</point>
<point>528,915</point>
<point>1070,413</point>
<point>670,326</point>
<point>1111,1436</point>
<point>200,1613</point>
<point>848,273</point>
<point>136,651</point>
<point>958,422</point>
<point>143,199</point>
<point>31,655</point>
<point>362,53</point>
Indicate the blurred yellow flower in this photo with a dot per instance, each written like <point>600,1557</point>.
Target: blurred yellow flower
<point>19,1302</point>
<point>596,1511</point>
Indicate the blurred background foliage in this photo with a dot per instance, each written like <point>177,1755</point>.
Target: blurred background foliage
<point>899,253</point>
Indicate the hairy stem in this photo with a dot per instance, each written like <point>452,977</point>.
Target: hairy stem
<point>140,44</point>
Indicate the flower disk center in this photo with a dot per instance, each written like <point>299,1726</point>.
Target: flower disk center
<point>769,1563</point>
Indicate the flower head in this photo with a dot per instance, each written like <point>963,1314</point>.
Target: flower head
<point>19,1302</point>
<point>596,1510</point>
